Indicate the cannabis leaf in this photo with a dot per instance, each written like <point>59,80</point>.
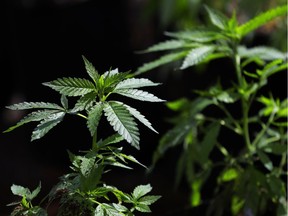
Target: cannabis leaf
<point>261,20</point>
<point>196,56</point>
<point>94,116</point>
<point>71,86</point>
<point>51,115</point>
<point>122,121</point>
<point>141,200</point>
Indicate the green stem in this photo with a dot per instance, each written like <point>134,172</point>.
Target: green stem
<point>81,115</point>
<point>94,141</point>
<point>244,102</point>
<point>264,129</point>
<point>237,128</point>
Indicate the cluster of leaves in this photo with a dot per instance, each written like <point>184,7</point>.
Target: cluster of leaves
<point>25,207</point>
<point>82,192</point>
<point>253,177</point>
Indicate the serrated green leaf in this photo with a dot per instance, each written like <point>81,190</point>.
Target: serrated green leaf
<point>34,105</point>
<point>109,210</point>
<point>261,20</point>
<point>115,138</point>
<point>20,190</point>
<point>93,73</point>
<point>119,207</point>
<point>138,95</point>
<point>268,71</point>
<point>91,181</point>
<point>135,83</point>
<point>71,86</point>
<point>196,56</point>
<point>262,52</point>
<point>166,45</point>
<point>110,73</point>
<point>35,192</point>
<point>87,165</point>
<point>217,18</point>
<point>196,35</point>
<point>111,79</point>
<point>133,159</point>
<point>148,200</point>
<point>94,116</point>
<point>122,122</point>
<point>34,116</point>
<point>64,101</point>
<point>25,192</point>
<point>140,117</point>
<point>85,102</point>
<point>99,211</point>
<point>143,208</point>
<point>165,59</point>
<point>112,162</point>
<point>141,190</point>
<point>46,125</point>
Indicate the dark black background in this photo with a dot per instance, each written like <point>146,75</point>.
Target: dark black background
<point>43,40</point>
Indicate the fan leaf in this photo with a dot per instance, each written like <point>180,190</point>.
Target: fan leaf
<point>34,116</point>
<point>196,35</point>
<point>85,102</point>
<point>141,191</point>
<point>135,83</point>
<point>122,122</point>
<point>166,45</point>
<point>196,56</point>
<point>112,78</point>
<point>140,117</point>
<point>138,95</point>
<point>261,20</point>
<point>217,19</point>
<point>92,72</point>
<point>161,61</point>
<point>262,52</point>
<point>94,116</point>
<point>46,125</point>
<point>71,86</point>
<point>34,105</point>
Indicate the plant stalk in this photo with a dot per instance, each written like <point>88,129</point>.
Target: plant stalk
<point>244,102</point>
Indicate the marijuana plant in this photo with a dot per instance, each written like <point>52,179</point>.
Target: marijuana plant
<point>252,180</point>
<point>83,192</point>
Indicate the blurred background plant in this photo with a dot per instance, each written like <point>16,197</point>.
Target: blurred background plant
<point>231,159</point>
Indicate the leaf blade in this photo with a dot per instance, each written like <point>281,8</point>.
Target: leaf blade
<point>140,117</point>
<point>138,95</point>
<point>261,20</point>
<point>46,125</point>
<point>165,59</point>
<point>196,56</point>
<point>94,116</point>
<point>135,83</point>
<point>69,86</point>
<point>122,122</point>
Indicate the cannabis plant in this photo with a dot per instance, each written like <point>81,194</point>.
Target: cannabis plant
<point>83,192</point>
<point>247,116</point>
